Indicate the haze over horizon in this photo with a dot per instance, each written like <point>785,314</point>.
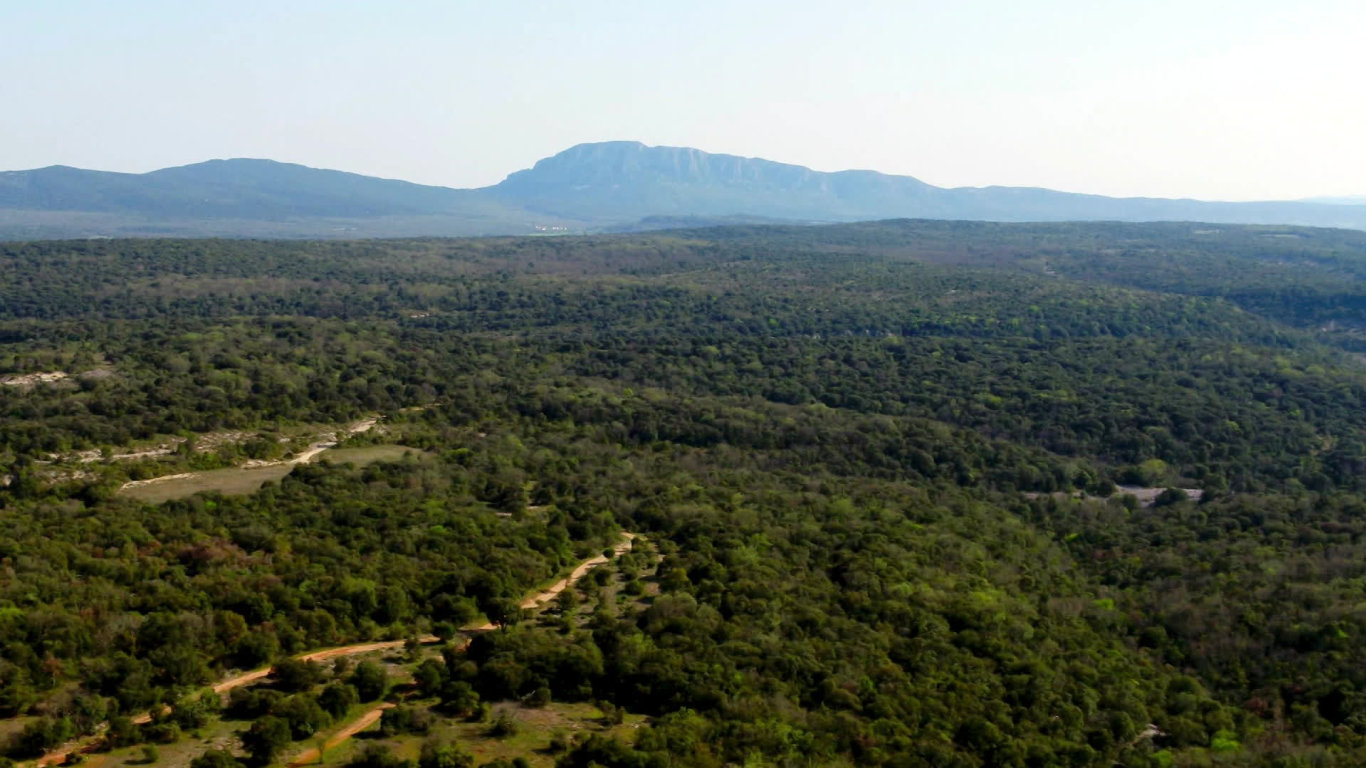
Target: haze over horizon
<point>1209,100</point>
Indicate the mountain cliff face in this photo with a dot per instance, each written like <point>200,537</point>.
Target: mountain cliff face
<point>608,185</point>
<point>621,179</point>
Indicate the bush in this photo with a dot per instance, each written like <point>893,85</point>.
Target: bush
<point>192,714</point>
<point>163,732</point>
<point>402,719</point>
<point>216,758</point>
<point>503,726</point>
<point>123,732</point>
<point>538,698</point>
<point>377,756</point>
<point>39,736</point>
<point>1170,496</point>
<point>442,754</point>
<point>459,698</point>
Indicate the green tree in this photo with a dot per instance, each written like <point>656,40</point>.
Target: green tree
<point>336,698</point>
<point>265,739</point>
<point>296,675</point>
<point>370,680</point>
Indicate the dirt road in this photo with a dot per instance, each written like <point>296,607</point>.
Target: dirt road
<point>88,743</point>
<point>371,717</point>
<point>323,655</point>
<point>330,441</point>
<point>536,600</point>
<point>302,457</point>
<point>352,728</point>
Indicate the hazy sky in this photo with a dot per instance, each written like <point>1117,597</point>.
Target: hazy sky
<point>1230,100</point>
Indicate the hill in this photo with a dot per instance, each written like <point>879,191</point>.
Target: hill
<point>241,197</point>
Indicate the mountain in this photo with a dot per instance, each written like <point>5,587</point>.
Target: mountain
<point>617,185</point>
<point>1348,200</point>
<point>618,179</point>
<point>610,181</point>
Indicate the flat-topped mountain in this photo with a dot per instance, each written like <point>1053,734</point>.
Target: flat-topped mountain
<point>607,185</point>
<point>609,179</point>
<point>617,179</point>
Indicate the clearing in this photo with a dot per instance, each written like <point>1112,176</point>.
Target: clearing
<point>248,478</point>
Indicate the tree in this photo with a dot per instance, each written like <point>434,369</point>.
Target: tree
<point>338,697</point>
<point>567,602</point>
<point>304,715</point>
<point>459,697</point>
<point>265,738</point>
<point>370,680</point>
<point>503,612</point>
<point>296,675</point>
<point>429,676</point>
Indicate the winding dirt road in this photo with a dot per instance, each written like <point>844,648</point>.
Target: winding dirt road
<point>352,728</point>
<point>89,743</point>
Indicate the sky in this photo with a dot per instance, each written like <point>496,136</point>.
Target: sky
<point>1240,100</point>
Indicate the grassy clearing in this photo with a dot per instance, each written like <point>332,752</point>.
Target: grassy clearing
<point>219,734</point>
<point>240,481</point>
<point>12,726</point>
<point>231,482</point>
<point>535,728</point>
<point>367,454</point>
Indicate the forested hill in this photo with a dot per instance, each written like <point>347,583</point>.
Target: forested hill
<point>907,493</point>
<point>589,187</point>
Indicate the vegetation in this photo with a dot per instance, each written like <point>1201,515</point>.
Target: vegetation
<point>882,476</point>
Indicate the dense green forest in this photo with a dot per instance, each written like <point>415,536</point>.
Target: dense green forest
<point>913,490</point>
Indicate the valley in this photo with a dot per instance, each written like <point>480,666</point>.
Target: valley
<point>899,493</point>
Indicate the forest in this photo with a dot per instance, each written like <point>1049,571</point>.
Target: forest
<point>904,493</point>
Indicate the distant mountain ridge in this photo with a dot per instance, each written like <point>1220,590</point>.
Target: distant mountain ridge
<point>599,186</point>
<point>627,177</point>
<point>224,188</point>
